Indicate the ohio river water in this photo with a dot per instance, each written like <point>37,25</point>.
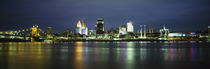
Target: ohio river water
<point>105,55</point>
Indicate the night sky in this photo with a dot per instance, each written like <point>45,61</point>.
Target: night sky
<point>177,15</point>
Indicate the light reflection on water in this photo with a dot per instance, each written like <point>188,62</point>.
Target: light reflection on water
<point>102,55</point>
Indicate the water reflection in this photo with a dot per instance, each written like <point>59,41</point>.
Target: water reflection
<point>79,55</point>
<point>130,54</point>
<point>100,55</point>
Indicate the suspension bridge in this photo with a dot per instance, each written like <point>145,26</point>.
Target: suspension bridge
<point>29,34</point>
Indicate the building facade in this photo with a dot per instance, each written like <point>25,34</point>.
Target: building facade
<point>123,30</point>
<point>164,32</point>
<point>78,28</point>
<point>81,28</point>
<point>50,31</point>
<point>130,28</point>
<point>100,26</point>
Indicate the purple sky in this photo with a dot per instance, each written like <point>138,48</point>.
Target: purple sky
<point>177,15</point>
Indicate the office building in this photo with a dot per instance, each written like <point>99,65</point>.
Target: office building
<point>100,26</point>
<point>50,31</point>
<point>130,28</point>
<point>81,28</point>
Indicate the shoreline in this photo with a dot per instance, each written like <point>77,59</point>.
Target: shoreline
<point>97,40</point>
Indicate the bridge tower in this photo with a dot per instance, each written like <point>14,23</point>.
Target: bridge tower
<point>35,33</point>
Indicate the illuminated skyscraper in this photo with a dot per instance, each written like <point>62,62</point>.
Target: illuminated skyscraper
<point>100,26</point>
<point>83,23</point>
<point>130,28</point>
<point>79,27</point>
<point>84,28</point>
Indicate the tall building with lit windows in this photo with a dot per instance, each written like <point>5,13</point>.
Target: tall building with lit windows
<point>81,27</point>
<point>100,26</point>
<point>130,28</point>
<point>84,28</point>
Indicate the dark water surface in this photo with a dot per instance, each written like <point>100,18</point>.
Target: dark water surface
<point>105,55</point>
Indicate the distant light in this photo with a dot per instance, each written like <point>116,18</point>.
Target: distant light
<point>176,35</point>
<point>208,26</point>
<point>192,33</point>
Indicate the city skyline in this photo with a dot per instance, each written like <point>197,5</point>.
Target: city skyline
<point>104,34</point>
<point>136,28</point>
<point>192,15</point>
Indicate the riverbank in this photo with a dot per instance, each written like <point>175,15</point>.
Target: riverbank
<point>19,40</point>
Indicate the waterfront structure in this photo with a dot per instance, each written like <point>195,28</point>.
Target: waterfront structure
<point>164,32</point>
<point>141,34</point>
<point>130,28</point>
<point>145,36</point>
<point>176,35</point>
<point>150,30</point>
<point>100,27</point>
<point>35,31</point>
<point>151,33</point>
<point>124,32</point>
